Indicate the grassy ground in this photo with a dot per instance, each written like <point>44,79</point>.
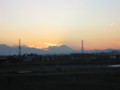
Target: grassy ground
<point>85,80</point>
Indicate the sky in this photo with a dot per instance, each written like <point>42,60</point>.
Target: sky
<point>44,23</point>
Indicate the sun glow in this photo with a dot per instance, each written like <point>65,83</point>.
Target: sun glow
<point>43,46</point>
<point>52,44</point>
<point>33,46</point>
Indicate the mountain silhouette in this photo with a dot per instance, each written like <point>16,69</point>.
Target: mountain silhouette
<point>63,49</point>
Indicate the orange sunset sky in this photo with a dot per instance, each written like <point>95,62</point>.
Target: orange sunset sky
<point>44,23</point>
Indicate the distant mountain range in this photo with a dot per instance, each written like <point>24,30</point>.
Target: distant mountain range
<point>63,49</point>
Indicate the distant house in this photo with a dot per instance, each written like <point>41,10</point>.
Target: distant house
<point>113,57</point>
<point>29,58</point>
<point>3,60</point>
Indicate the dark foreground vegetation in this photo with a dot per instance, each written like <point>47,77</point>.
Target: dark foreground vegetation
<point>61,72</point>
<point>102,79</point>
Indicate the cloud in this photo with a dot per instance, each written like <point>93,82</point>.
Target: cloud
<point>112,24</point>
<point>52,44</point>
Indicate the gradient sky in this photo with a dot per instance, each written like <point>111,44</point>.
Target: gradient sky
<point>43,23</point>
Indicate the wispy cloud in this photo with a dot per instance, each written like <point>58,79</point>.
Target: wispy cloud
<point>112,24</point>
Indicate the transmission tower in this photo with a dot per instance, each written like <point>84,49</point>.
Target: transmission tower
<point>82,44</point>
<point>19,49</point>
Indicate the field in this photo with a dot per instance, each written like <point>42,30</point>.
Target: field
<point>103,79</point>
